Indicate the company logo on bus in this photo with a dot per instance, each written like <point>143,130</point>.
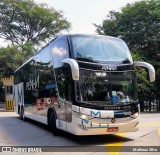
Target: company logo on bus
<point>32,84</point>
<point>109,68</point>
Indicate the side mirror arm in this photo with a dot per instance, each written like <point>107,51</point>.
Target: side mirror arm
<point>74,68</point>
<point>149,67</point>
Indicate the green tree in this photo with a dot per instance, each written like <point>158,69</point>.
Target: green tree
<point>25,24</point>
<point>24,21</point>
<point>139,25</point>
<point>12,57</point>
<point>2,95</point>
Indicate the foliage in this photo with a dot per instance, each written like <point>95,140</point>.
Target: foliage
<point>142,76</point>
<point>2,96</point>
<point>12,57</point>
<point>26,25</point>
<point>138,25</point>
<point>24,21</point>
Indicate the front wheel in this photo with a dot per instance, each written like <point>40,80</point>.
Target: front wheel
<point>52,124</point>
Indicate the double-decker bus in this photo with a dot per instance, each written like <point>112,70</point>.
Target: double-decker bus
<point>82,84</point>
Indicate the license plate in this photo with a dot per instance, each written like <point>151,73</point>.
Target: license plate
<point>112,129</point>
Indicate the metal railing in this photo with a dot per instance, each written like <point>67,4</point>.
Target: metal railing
<point>150,106</point>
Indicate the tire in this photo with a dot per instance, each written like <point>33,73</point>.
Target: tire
<point>20,113</point>
<point>22,116</point>
<point>52,124</point>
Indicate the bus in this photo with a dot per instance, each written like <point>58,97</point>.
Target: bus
<point>81,84</point>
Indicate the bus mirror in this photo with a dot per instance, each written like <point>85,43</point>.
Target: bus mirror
<point>149,67</point>
<point>74,68</point>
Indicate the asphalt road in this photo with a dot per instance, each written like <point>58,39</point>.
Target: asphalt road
<point>16,133</point>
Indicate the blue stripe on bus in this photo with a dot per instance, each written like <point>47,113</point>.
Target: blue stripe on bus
<point>119,113</point>
<point>49,86</point>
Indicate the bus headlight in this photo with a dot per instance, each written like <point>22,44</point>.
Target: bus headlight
<point>135,115</point>
<point>86,117</point>
<point>82,116</point>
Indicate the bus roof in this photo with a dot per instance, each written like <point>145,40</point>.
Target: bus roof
<point>68,35</point>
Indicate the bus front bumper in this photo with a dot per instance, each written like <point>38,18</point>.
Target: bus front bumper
<point>84,127</point>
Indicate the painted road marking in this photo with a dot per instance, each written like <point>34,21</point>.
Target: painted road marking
<point>150,124</point>
<point>159,131</point>
<point>117,150</point>
<point>113,146</point>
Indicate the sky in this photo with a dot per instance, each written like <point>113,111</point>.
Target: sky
<point>83,13</point>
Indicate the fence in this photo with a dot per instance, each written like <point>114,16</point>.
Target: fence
<point>2,106</point>
<point>150,105</point>
<point>7,106</point>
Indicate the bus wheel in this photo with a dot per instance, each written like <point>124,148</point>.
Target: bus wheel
<point>20,113</point>
<point>52,124</point>
<point>22,116</point>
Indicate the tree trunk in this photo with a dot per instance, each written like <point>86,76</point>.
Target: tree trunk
<point>141,101</point>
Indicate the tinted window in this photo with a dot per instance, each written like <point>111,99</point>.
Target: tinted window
<point>59,48</point>
<point>46,69</point>
<point>64,82</point>
<point>45,57</point>
<point>16,76</point>
<point>37,61</point>
<point>100,48</point>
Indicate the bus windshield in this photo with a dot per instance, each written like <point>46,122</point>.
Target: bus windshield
<point>100,48</point>
<point>111,88</point>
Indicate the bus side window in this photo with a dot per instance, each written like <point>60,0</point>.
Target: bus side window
<point>68,83</point>
<point>59,49</point>
<point>64,82</point>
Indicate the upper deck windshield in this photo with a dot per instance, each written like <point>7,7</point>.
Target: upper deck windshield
<point>100,49</point>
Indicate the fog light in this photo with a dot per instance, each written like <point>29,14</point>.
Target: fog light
<point>135,115</point>
<point>113,120</point>
<point>82,126</point>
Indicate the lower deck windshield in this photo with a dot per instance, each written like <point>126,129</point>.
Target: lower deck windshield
<point>108,88</point>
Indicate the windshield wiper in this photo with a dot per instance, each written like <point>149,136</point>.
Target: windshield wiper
<point>126,61</point>
<point>86,59</point>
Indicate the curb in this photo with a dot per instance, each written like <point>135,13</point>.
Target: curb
<point>4,110</point>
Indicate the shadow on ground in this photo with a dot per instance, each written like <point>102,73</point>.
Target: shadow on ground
<point>86,140</point>
<point>14,131</point>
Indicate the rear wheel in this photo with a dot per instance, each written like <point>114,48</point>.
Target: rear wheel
<point>22,115</point>
<point>52,124</point>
